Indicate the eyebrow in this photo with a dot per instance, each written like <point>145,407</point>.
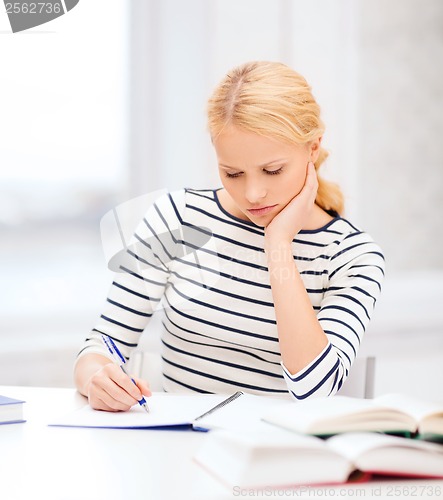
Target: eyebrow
<point>267,164</point>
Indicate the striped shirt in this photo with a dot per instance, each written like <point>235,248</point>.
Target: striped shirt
<point>206,272</point>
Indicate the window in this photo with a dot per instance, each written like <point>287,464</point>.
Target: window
<point>63,153</point>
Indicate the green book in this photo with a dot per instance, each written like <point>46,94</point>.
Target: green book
<point>391,413</point>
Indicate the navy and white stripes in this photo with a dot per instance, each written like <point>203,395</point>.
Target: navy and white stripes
<point>206,272</point>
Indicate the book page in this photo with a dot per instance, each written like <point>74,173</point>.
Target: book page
<point>380,453</point>
<point>354,444</point>
<point>427,414</point>
<point>276,458</point>
<point>416,407</point>
<point>339,414</point>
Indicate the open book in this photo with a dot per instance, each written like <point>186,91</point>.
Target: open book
<point>390,413</point>
<point>283,459</point>
<point>196,411</point>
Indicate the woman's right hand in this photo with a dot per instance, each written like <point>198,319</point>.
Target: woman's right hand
<point>110,389</point>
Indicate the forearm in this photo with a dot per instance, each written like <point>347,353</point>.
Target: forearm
<point>85,368</point>
<point>301,337</point>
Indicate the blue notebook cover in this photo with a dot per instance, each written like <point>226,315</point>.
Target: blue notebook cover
<point>11,410</point>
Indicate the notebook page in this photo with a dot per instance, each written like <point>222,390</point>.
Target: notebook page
<point>244,413</point>
<point>165,410</point>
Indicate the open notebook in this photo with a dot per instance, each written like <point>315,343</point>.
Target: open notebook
<point>199,412</point>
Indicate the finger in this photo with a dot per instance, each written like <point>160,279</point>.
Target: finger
<point>100,405</point>
<point>312,182</point>
<point>111,386</point>
<point>311,176</point>
<point>114,406</point>
<point>114,396</point>
<point>144,387</point>
<point>100,399</point>
<point>123,389</point>
<point>123,380</point>
<point>309,190</point>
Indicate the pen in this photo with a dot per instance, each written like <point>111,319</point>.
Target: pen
<point>117,355</point>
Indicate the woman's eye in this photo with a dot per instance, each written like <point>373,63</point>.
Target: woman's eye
<point>233,175</point>
<point>274,172</point>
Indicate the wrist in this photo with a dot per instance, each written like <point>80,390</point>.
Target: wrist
<point>278,251</point>
<point>86,367</point>
<point>276,235</point>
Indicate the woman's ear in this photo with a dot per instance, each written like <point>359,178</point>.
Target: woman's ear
<point>314,149</point>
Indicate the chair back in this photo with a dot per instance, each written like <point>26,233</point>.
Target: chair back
<point>360,381</point>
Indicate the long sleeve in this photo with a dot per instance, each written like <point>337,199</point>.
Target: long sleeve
<point>138,287</point>
<point>355,276</point>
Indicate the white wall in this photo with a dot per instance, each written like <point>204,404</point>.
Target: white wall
<point>176,64</point>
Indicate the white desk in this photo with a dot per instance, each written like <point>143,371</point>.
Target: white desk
<point>38,462</point>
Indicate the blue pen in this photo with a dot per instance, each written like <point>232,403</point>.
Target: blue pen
<point>117,355</point>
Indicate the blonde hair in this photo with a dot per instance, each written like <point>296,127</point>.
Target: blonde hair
<point>272,100</point>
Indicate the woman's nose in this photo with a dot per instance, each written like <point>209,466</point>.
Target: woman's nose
<point>255,192</point>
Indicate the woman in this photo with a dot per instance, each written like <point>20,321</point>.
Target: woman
<point>276,298</point>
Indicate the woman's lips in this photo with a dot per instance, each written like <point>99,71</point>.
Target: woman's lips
<point>257,212</point>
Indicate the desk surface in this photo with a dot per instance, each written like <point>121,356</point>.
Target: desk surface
<point>38,462</point>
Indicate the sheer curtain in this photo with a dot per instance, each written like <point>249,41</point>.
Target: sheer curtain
<point>63,158</point>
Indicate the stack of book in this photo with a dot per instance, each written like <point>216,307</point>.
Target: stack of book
<point>331,441</point>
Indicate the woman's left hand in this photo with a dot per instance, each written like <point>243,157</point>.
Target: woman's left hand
<point>285,225</point>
